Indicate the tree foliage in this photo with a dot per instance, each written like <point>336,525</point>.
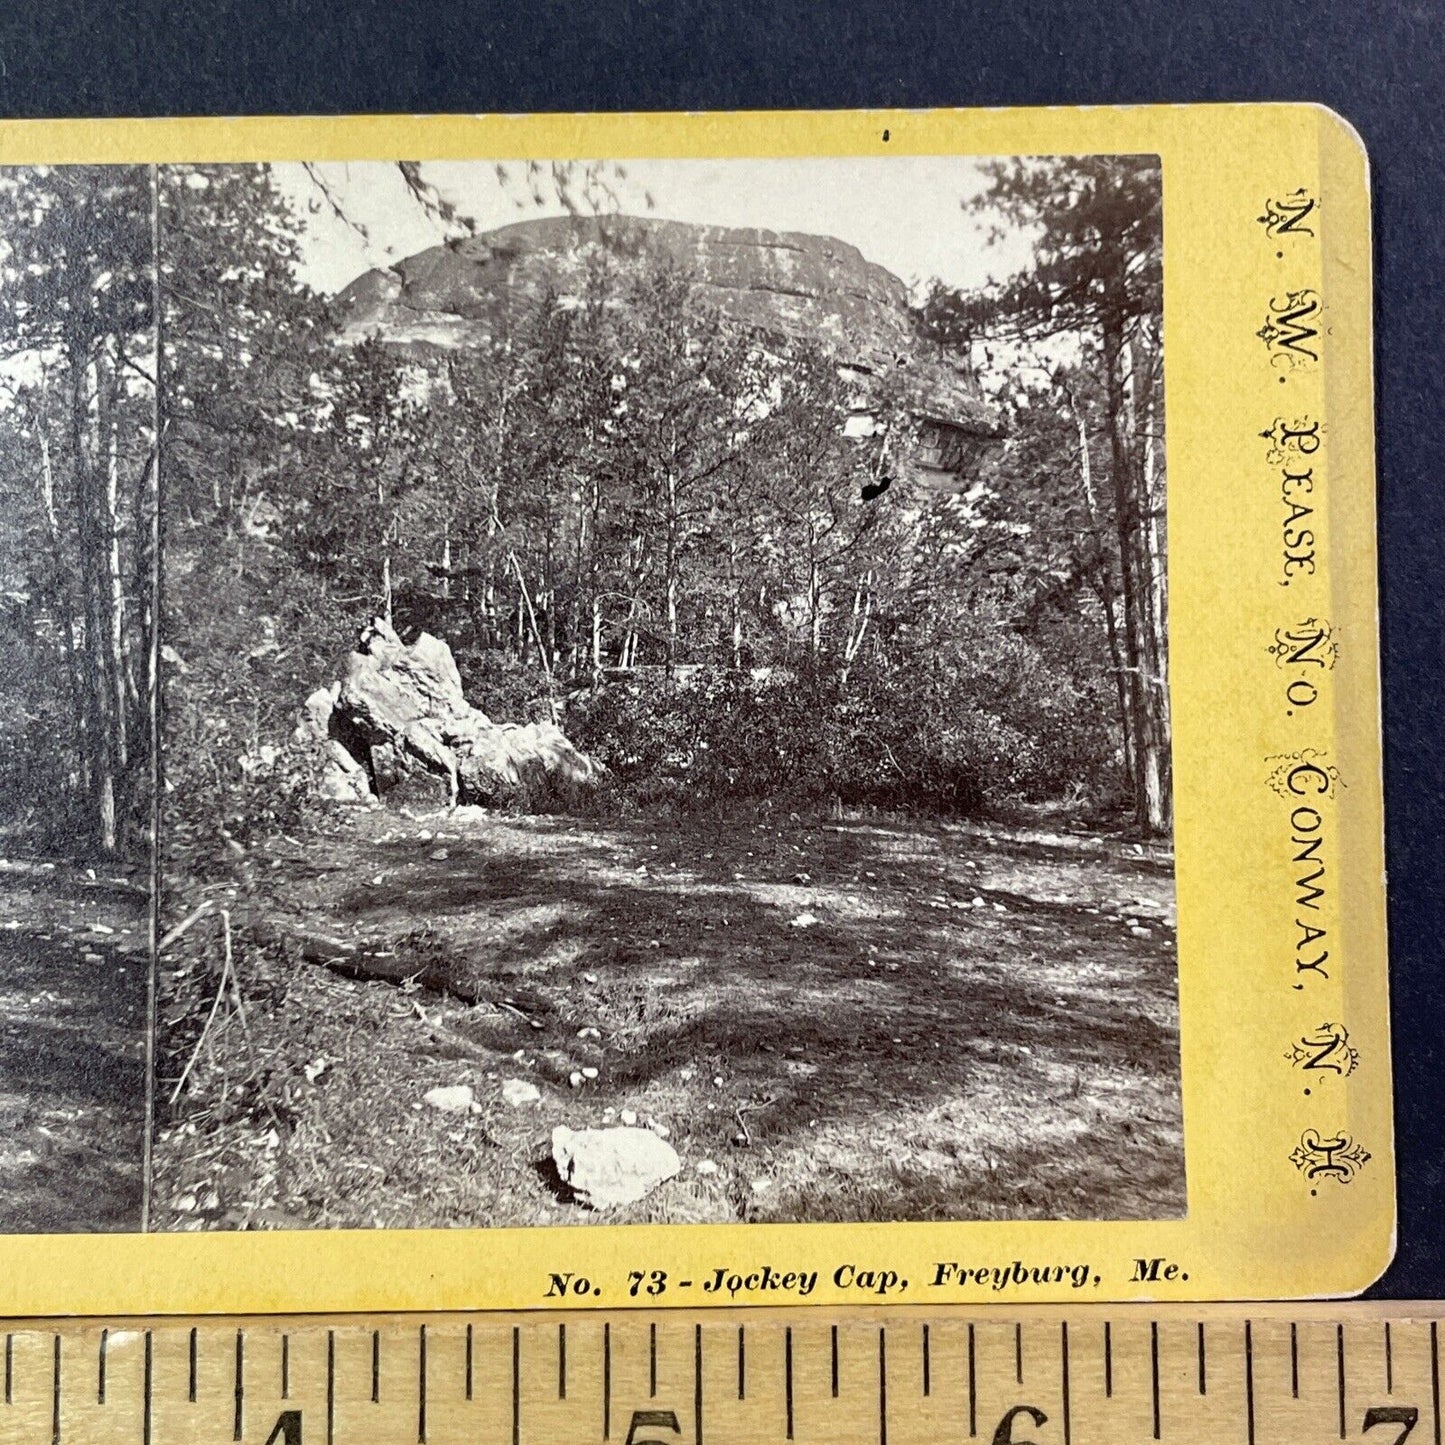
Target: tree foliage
<point>1094,295</point>
<point>619,508</point>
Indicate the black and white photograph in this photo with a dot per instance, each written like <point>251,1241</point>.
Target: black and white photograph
<point>662,690</point>
<point>78,649</point>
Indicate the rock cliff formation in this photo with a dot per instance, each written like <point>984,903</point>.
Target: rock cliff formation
<point>782,284</point>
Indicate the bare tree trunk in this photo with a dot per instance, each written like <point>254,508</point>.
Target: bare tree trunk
<point>118,660</point>
<point>815,597</point>
<point>1139,402</point>
<point>90,551</point>
<point>627,655</point>
<point>1106,597</point>
<point>594,580</point>
<point>525,600</point>
<point>857,622</point>
<point>735,603</point>
<point>1149,803</point>
<point>574,654</point>
<point>64,603</point>
<point>1147,367</point>
<point>670,559</point>
<point>548,601</point>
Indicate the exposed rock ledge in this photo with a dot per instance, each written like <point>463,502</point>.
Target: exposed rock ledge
<point>462,295</point>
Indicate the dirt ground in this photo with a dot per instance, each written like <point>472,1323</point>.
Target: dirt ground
<point>831,1020</point>
<point>73,967</point>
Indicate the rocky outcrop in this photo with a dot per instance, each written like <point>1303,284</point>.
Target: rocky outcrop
<point>608,1168</point>
<point>397,724</point>
<point>782,284</point>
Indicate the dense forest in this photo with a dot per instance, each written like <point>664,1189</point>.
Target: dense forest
<point>621,514</point>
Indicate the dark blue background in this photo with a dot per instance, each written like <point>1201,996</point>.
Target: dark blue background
<point>1381,65</point>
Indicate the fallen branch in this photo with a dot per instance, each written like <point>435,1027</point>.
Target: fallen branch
<point>173,934</point>
<point>215,1003</point>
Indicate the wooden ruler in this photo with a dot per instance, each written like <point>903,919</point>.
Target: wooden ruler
<point>1256,1375</point>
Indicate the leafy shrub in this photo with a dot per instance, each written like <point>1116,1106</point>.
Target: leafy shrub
<point>971,726</point>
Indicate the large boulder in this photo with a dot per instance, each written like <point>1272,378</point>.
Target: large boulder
<point>398,725</point>
<point>509,763</point>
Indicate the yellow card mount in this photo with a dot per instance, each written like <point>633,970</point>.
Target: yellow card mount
<point>1044,1376</point>
<point>1061,1006</point>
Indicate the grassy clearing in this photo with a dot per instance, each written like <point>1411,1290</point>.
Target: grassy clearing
<point>978,1023</point>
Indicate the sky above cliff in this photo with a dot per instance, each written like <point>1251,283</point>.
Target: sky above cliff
<point>904,212</point>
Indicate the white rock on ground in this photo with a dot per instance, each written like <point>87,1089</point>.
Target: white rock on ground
<point>606,1168</point>
<point>450,1098</point>
<point>518,1092</point>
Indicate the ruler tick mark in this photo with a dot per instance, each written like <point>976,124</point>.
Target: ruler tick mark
<point>55,1396</point>
<point>421,1386</point>
<point>927,1382</point>
<point>1019,1353</point>
<point>651,1362</point>
<point>9,1366</point>
<point>1294,1361</point>
<point>835,1362</point>
<point>1064,1358</point>
<point>697,1385</point>
<point>1108,1361</point>
<point>191,1387</point>
<point>285,1367</point>
<point>376,1367</point>
<point>1154,1371</point>
<point>145,1429</point>
<point>469,1362</point>
<point>561,1362</point>
<point>1435,1376</point>
<point>882,1387</point>
<point>516,1384</point>
<point>100,1383</point>
<point>788,1376</point>
<point>972,1387</point>
<point>1389,1363</point>
<point>1249,1379</point>
<point>1203,1379</point>
<point>742,1366</point>
<point>240,1385</point>
<point>606,1382</point>
<point>1340,1372</point>
<point>330,1386</point>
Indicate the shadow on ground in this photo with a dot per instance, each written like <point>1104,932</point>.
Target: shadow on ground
<point>851,1020</point>
<point>72,1080</point>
